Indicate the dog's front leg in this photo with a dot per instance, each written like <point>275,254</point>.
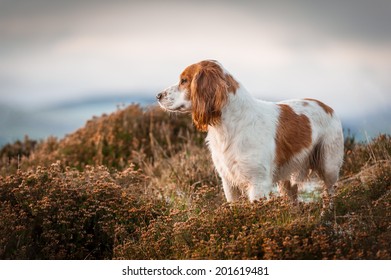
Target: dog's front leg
<point>259,188</point>
<point>231,192</point>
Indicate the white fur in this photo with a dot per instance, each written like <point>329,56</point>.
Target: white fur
<point>175,100</point>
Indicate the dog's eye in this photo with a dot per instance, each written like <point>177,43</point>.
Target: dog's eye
<point>183,81</point>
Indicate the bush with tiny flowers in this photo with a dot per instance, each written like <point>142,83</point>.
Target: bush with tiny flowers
<point>139,184</point>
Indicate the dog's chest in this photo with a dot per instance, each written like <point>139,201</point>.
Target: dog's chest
<point>229,157</point>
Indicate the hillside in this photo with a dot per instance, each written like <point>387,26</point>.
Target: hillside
<point>139,184</point>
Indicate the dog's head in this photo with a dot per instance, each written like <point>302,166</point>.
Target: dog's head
<point>203,90</point>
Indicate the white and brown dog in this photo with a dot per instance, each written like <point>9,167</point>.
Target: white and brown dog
<point>255,144</point>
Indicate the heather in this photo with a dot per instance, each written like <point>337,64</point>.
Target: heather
<point>139,184</point>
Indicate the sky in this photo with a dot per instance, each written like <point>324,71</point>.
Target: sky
<point>338,51</point>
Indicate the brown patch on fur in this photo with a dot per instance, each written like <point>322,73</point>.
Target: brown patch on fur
<point>293,134</point>
<point>208,87</point>
<point>208,96</point>
<point>187,76</point>
<point>326,108</point>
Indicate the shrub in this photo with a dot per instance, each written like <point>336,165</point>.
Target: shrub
<point>140,184</point>
<point>360,155</point>
<point>62,213</point>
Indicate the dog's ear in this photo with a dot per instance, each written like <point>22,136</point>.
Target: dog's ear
<point>209,93</point>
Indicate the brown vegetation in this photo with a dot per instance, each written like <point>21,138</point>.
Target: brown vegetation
<point>139,184</point>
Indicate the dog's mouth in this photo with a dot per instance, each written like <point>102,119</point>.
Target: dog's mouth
<point>179,109</point>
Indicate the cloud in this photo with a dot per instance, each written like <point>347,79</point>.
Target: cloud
<point>359,20</point>
<point>337,51</point>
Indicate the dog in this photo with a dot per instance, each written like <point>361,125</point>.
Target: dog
<point>257,144</point>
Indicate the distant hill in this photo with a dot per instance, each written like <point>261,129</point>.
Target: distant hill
<point>59,119</point>
<point>369,126</point>
<point>64,118</point>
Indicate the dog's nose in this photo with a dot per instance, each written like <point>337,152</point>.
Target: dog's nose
<point>159,95</point>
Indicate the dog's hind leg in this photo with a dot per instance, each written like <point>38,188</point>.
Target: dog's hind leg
<point>329,162</point>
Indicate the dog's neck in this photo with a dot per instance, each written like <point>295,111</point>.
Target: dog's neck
<point>232,112</point>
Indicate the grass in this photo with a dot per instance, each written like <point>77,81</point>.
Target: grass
<point>139,184</point>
